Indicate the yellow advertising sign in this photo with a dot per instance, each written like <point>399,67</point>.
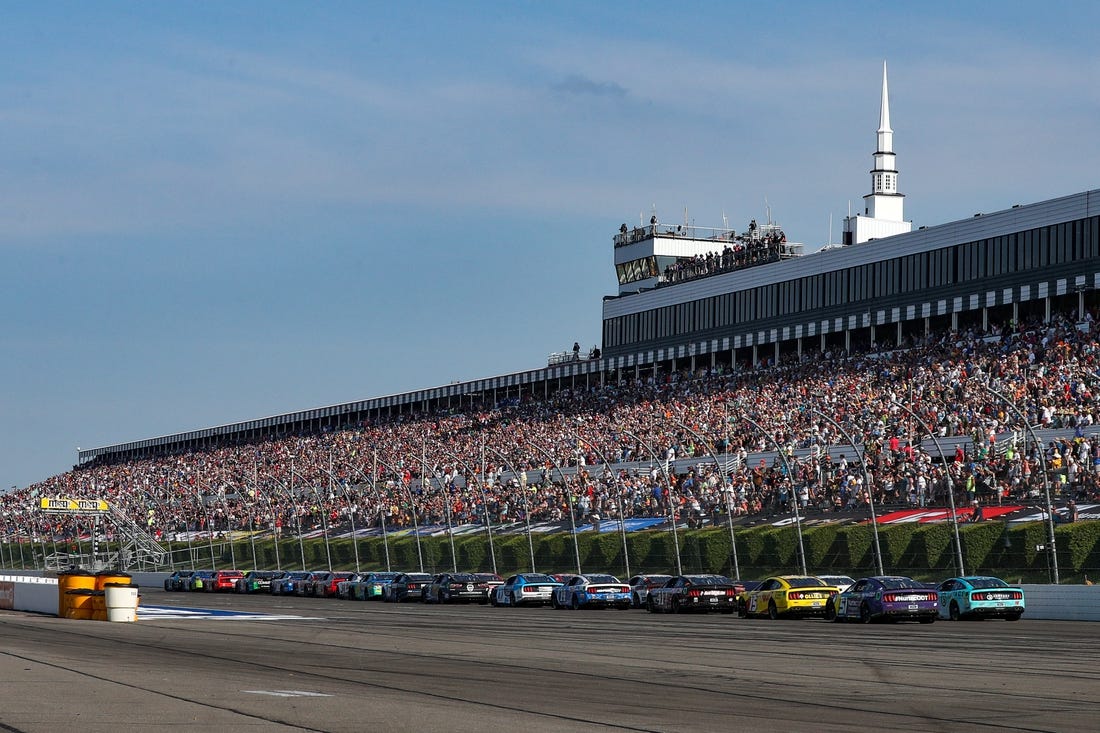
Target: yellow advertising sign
<point>64,505</point>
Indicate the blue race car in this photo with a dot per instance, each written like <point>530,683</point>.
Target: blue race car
<point>890,597</point>
<point>524,589</point>
<point>980,596</point>
<point>592,591</point>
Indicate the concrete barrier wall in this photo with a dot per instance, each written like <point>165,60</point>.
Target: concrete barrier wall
<point>1062,602</point>
<point>28,593</point>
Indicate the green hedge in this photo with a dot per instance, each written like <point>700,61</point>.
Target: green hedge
<point>925,551</point>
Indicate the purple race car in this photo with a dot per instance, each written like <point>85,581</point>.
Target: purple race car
<point>892,597</point>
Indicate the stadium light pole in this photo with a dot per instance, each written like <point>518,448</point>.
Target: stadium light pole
<point>187,527</point>
<point>526,504</point>
<point>9,521</point>
<point>228,528</point>
<point>794,489</point>
<point>297,518</point>
<point>412,505</point>
<point>569,495</point>
<point>1052,553</point>
<point>950,489</point>
<point>351,515</point>
<point>271,510</point>
<point>324,520</point>
<point>729,505</point>
<point>161,508</point>
<point>373,481</point>
<point>446,512</point>
<point>668,483</point>
<point>209,526</point>
<point>862,456</point>
<point>618,500</point>
<point>484,500</point>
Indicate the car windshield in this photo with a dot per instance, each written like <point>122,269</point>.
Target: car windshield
<point>602,579</point>
<point>899,583</point>
<point>804,582</point>
<point>988,583</point>
<point>537,578</point>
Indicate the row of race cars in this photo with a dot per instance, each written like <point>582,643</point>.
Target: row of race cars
<point>832,597</point>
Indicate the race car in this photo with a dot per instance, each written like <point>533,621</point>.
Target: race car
<point>591,591</point>
<point>371,587</point>
<point>457,588</point>
<point>641,585</point>
<point>787,595</point>
<point>405,587</point>
<point>178,580</point>
<point>224,580</point>
<point>324,584</point>
<point>285,585</point>
<point>980,596</point>
<point>258,581</point>
<point>893,598</point>
<point>683,593</point>
<point>200,579</point>
<point>524,589</point>
<point>840,582</point>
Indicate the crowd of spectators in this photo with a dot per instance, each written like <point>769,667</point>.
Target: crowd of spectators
<point>501,462</point>
<point>754,247</point>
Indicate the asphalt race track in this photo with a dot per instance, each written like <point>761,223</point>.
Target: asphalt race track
<point>359,666</point>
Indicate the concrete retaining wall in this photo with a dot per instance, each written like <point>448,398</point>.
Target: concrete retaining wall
<point>1062,602</point>
<point>28,593</point>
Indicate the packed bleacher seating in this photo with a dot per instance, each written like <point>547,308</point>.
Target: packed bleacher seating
<point>309,480</point>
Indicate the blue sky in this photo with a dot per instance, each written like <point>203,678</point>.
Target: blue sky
<point>216,212</point>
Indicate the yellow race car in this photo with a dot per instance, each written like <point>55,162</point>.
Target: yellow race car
<point>787,595</point>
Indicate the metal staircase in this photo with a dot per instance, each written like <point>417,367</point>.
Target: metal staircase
<point>137,548</point>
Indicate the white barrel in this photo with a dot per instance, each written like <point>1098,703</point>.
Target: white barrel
<point>122,602</point>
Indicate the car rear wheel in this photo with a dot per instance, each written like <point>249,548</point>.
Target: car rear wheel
<point>830,611</point>
<point>864,614</point>
<point>953,611</point>
<point>554,602</point>
<point>927,619</point>
<point>636,600</point>
<point>512,598</point>
<point>649,605</point>
<point>575,604</point>
<point>1013,617</point>
<point>773,612</point>
<point>676,605</point>
<point>742,608</point>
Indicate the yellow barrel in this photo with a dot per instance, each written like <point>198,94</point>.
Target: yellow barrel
<point>99,606</point>
<point>104,577</point>
<point>80,603</point>
<point>73,580</point>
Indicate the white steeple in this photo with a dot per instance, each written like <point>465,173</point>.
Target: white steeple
<point>883,212</point>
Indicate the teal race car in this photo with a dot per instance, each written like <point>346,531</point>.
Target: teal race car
<point>980,596</point>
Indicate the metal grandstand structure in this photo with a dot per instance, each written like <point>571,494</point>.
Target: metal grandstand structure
<point>132,548</point>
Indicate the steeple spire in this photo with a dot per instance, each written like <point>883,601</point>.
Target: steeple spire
<point>884,112</point>
<point>883,213</point>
